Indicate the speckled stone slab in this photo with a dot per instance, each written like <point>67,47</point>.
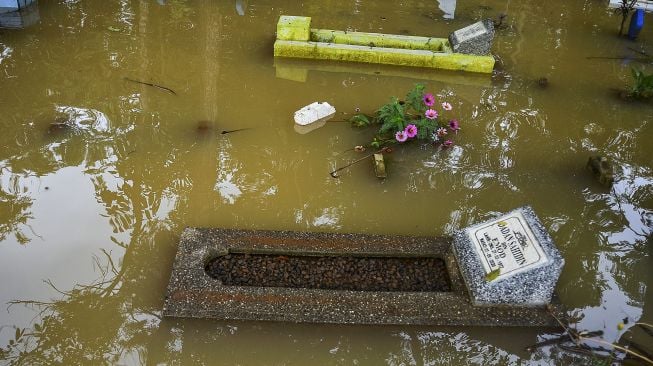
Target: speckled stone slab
<point>475,39</point>
<point>193,293</point>
<point>510,260</point>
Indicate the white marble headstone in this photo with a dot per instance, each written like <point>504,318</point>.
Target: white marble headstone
<point>509,260</point>
<point>507,245</point>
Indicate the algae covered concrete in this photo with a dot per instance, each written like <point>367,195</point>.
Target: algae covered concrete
<point>380,40</point>
<point>387,56</point>
<point>296,39</point>
<point>294,28</point>
<point>192,293</point>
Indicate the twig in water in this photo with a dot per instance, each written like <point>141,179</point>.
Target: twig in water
<point>639,51</point>
<point>224,132</point>
<point>578,337</point>
<point>561,339</point>
<point>573,335</point>
<point>642,59</point>
<point>334,173</point>
<point>645,327</point>
<point>164,88</point>
<point>637,347</point>
<point>582,350</point>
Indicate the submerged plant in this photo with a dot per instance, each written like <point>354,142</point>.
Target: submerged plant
<point>414,118</point>
<point>642,85</point>
<point>625,7</point>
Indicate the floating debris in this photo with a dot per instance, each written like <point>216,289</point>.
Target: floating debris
<point>160,87</point>
<point>335,172</point>
<point>224,132</point>
<point>543,82</point>
<point>602,169</point>
<point>379,166</point>
<point>61,125</point>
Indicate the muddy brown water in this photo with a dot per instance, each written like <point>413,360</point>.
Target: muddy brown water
<point>90,215</point>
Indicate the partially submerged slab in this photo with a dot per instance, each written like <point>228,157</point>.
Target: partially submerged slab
<point>193,293</point>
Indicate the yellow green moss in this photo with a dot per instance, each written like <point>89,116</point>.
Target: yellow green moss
<point>379,40</point>
<point>388,56</point>
<point>292,28</point>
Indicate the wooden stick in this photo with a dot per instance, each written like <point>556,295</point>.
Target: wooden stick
<point>637,347</point>
<point>645,327</point>
<point>152,85</point>
<point>561,339</point>
<point>577,338</point>
<point>224,132</point>
<point>638,51</point>
<point>642,59</point>
<point>333,173</point>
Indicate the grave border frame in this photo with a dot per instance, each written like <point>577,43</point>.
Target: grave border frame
<point>192,293</point>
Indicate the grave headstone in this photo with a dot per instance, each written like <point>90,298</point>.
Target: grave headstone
<point>475,39</point>
<point>510,260</point>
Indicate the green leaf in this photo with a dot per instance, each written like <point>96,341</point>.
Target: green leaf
<point>493,275</point>
<point>361,120</point>
<point>414,98</point>
<point>642,84</point>
<point>391,116</point>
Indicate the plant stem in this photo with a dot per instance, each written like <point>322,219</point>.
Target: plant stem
<point>577,338</point>
<point>334,173</point>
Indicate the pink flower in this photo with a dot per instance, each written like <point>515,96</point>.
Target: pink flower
<point>454,125</point>
<point>441,132</point>
<point>429,99</point>
<point>447,143</point>
<point>447,106</point>
<point>411,131</point>
<point>431,114</point>
<point>401,136</point>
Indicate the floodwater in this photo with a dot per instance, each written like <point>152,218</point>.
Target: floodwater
<point>90,217</point>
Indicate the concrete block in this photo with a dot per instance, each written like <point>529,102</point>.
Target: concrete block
<point>294,28</point>
<point>379,166</point>
<point>475,39</point>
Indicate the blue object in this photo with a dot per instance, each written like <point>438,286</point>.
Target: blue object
<point>636,23</point>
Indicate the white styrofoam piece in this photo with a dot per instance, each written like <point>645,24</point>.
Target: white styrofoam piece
<point>313,112</point>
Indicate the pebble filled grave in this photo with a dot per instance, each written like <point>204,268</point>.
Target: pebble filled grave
<point>411,274</point>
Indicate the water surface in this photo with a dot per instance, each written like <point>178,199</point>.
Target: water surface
<point>90,217</point>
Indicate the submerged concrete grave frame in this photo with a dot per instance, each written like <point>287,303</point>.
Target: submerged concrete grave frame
<point>193,293</point>
<point>466,49</point>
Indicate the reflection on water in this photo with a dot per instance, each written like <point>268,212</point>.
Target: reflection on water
<point>90,211</point>
<point>448,7</point>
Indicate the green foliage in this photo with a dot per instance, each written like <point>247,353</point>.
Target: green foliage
<point>414,98</point>
<point>361,120</point>
<point>392,116</point>
<point>395,116</point>
<point>426,127</point>
<point>642,85</point>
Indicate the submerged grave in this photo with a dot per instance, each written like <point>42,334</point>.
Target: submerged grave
<point>350,278</point>
<point>465,50</point>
